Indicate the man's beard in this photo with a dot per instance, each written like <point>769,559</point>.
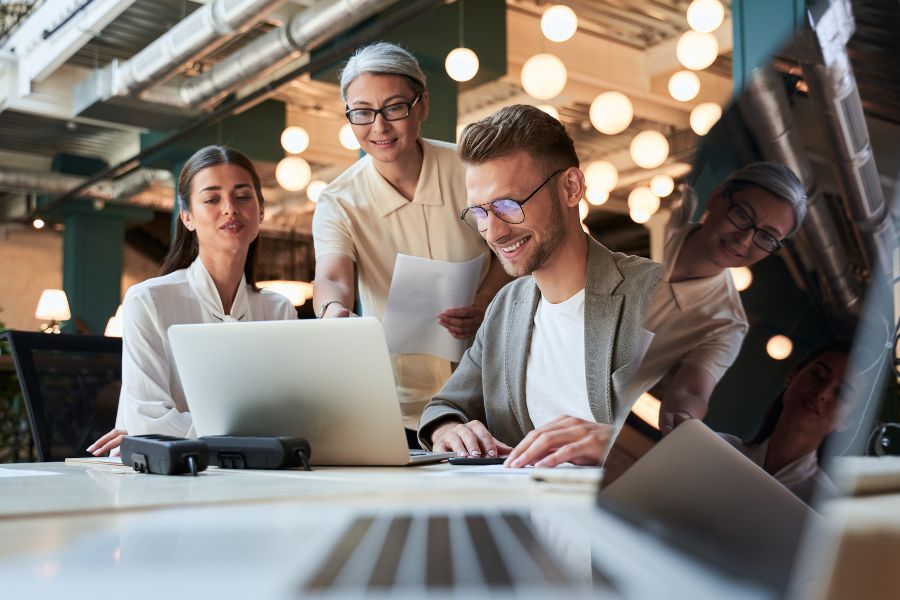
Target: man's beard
<point>541,253</point>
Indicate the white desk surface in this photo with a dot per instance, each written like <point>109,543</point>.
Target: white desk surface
<point>43,512</point>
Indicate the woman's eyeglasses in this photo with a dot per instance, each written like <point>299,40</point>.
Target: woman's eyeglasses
<point>391,112</point>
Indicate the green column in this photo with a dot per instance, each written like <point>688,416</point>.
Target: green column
<point>760,28</point>
<point>93,242</point>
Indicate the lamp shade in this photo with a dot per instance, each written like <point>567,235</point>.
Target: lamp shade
<point>684,86</point>
<point>649,149</point>
<point>643,200</point>
<point>611,112</point>
<point>601,175</point>
<point>314,189</point>
<point>705,15</point>
<point>543,76</point>
<point>293,173</point>
<point>461,64</point>
<point>696,50</point>
<point>704,116</point>
<point>559,23</point>
<point>298,292</point>
<point>596,197</point>
<point>550,110</point>
<point>53,306</point>
<point>294,140</point>
<point>779,347</point>
<point>347,138</point>
<point>742,277</point>
<point>662,185</point>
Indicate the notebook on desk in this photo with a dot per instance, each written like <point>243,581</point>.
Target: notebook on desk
<point>329,381</point>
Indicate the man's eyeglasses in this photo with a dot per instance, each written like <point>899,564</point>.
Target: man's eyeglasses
<point>391,112</point>
<point>505,209</point>
<point>743,221</point>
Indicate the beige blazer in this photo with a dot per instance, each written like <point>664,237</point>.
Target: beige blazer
<point>489,385</point>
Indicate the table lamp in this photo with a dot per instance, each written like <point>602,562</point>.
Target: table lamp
<point>298,292</point>
<point>53,307</point>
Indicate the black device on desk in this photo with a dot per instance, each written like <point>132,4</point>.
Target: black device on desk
<point>246,452</point>
<point>164,455</point>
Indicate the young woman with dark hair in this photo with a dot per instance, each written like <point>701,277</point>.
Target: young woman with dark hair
<point>809,408</point>
<point>207,277</point>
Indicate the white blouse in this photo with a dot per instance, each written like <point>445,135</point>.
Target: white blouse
<point>804,477</point>
<point>152,399</point>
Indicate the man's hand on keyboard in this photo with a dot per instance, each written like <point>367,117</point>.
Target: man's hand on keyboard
<point>564,439</point>
<point>467,439</point>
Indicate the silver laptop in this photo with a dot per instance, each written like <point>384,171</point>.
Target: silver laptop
<point>329,381</point>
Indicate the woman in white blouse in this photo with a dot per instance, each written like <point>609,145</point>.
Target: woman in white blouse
<point>808,409</point>
<point>207,277</point>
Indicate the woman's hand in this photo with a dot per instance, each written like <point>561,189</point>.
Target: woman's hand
<point>107,442</point>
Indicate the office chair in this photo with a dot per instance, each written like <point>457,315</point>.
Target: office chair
<point>71,387</point>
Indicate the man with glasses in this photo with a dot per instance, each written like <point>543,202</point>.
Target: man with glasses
<point>403,196</point>
<point>551,363</point>
<point>696,315</point>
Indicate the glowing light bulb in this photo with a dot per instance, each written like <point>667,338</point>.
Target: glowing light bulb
<point>461,64</point>
<point>684,86</point>
<point>779,347</point>
<point>704,116</point>
<point>293,173</point>
<point>601,175</point>
<point>611,112</point>
<point>583,209</point>
<point>696,50</point>
<point>38,223</point>
<point>649,149</point>
<point>559,23</point>
<point>742,277</point>
<point>347,138</point>
<point>543,76</point>
<point>294,140</point>
<point>705,15</point>
<point>314,189</point>
<point>642,200</point>
<point>596,197</point>
<point>662,185</point>
<point>550,110</point>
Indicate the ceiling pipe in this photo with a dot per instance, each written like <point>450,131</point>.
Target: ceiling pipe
<point>322,58</point>
<point>305,32</point>
<point>61,183</point>
<point>764,107</point>
<point>832,87</point>
<point>197,35</point>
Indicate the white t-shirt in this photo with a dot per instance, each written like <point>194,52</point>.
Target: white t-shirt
<point>152,399</point>
<point>360,215</point>
<point>555,382</point>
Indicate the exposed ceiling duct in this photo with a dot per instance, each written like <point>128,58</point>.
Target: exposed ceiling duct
<point>305,32</point>
<point>60,183</point>
<point>198,34</point>
<point>832,85</point>
<point>765,109</point>
<point>104,94</point>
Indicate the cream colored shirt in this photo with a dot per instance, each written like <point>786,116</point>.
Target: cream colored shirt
<point>698,322</point>
<point>152,399</point>
<point>360,215</point>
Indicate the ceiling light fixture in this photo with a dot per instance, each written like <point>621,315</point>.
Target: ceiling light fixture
<point>649,149</point>
<point>611,113</point>
<point>543,76</point>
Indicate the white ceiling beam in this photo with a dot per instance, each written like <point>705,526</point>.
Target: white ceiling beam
<point>38,55</point>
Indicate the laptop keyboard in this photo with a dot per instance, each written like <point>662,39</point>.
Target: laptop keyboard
<point>438,551</point>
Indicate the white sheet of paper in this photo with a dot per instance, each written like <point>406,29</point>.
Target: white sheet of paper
<point>421,289</point>
<point>24,473</point>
